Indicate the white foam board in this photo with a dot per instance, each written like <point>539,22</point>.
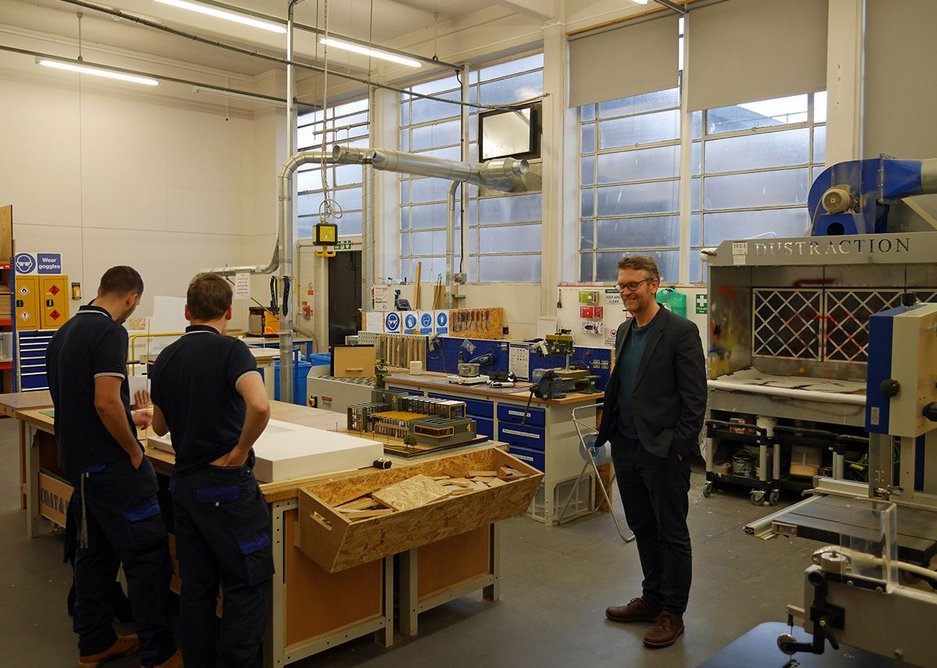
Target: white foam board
<point>286,451</point>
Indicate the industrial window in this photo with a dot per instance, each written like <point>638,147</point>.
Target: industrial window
<point>629,195</point>
<point>504,239</point>
<point>751,168</point>
<point>346,124</point>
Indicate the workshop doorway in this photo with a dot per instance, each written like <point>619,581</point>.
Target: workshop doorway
<point>344,295</point>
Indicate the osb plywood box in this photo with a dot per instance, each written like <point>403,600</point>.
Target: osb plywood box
<point>336,541</point>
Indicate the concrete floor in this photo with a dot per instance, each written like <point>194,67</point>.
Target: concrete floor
<point>556,584</point>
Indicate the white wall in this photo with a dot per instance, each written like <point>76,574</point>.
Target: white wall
<point>107,178</point>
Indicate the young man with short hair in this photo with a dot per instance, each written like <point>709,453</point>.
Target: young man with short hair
<point>115,485</point>
<point>208,393</point>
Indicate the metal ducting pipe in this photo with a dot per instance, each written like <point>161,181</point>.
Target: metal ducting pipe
<point>503,174</point>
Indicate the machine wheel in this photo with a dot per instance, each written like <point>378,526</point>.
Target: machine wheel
<point>758,497</point>
<point>786,644</point>
<point>707,489</point>
<point>773,497</point>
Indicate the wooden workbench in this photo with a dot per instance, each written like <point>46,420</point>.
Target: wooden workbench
<point>310,609</point>
<point>542,433</point>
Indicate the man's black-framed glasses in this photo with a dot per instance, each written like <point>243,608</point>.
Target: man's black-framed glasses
<point>633,285</point>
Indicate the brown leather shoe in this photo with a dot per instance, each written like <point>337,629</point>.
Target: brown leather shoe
<point>175,661</point>
<point>123,646</point>
<point>664,631</point>
<point>638,610</point>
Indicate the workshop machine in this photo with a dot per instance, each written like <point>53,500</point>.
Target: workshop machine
<point>874,589</point>
<point>788,326</point>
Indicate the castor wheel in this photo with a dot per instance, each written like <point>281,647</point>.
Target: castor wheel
<point>758,497</point>
<point>773,497</point>
<point>707,490</point>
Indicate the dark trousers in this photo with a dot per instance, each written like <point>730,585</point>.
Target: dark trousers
<point>654,495</point>
<point>124,526</point>
<point>222,528</point>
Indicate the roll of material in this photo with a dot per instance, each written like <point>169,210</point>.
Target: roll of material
<point>416,367</point>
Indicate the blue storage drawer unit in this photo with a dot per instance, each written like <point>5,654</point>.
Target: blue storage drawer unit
<point>486,426</point>
<point>521,434</point>
<point>535,458</point>
<point>515,413</point>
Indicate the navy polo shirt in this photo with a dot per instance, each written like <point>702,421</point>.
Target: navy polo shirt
<point>194,383</point>
<point>86,347</point>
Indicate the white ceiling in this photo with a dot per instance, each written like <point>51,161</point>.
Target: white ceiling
<point>416,26</point>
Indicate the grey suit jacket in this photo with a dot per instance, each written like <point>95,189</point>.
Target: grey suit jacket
<point>669,395</point>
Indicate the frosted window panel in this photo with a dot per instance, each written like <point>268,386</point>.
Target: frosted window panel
<point>771,149</point>
<point>346,175</point>
<point>698,270</point>
<point>587,144</point>
<point>696,124</point>
<point>429,190</point>
<point>405,141</point>
<point>364,142</point>
<point>764,114</point>
<point>350,223</point>
<point>404,220</point>
<point>435,87</point>
<point>308,204</point>
<point>695,224</point>
<point>346,121</point>
<point>606,267</point>
<point>696,158</point>
<point>438,134</point>
<point>651,232</point>
<point>472,133</point>
<point>717,227</point>
<point>510,269</point>
<point>587,203</point>
<point>423,110</point>
<point>761,189</point>
<point>513,89</point>
<point>649,163</point>
<point>516,209</point>
<point>585,267</point>
<point>586,169</point>
<point>428,243</point>
<point>450,153</point>
<point>587,113</point>
<point>308,180</point>
<point>664,99</point>
<point>587,234</point>
<point>404,191</point>
<point>304,227</point>
<point>819,144</point>
<point>819,107</point>
<point>305,136</point>
<point>512,67</point>
<point>668,263</point>
<point>519,238</point>
<point>348,199</point>
<point>695,185</point>
<point>633,130</point>
<point>637,198</point>
<point>428,215</point>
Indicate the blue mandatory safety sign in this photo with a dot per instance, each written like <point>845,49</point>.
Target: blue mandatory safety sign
<point>426,320</point>
<point>392,322</point>
<point>409,322</point>
<point>48,263</point>
<point>442,322</point>
<point>25,263</point>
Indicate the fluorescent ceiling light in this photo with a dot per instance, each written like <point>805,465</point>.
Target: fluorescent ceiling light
<point>237,95</point>
<point>367,51</point>
<point>640,2</point>
<point>96,71</point>
<point>226,15</point>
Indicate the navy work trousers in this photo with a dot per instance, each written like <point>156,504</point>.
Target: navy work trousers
<point>222,528</point>
<point>124,526</point>
<point>654,495</point>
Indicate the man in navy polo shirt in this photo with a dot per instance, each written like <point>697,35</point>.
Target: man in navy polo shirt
<point>208,393</point>
<point>115,485</point>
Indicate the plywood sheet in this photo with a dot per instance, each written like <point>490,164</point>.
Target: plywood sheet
<point>411,493</point>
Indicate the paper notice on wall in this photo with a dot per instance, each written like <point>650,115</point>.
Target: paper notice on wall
<point>373,321</point>
<point>242,286</point>
<point>382,298</point>
<point>519,361</point>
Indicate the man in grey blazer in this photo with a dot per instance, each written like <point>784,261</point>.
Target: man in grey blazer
<point>653,413</point>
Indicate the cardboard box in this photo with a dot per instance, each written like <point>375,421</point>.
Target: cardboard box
<point>54,494</point>
<point>337,543</point>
